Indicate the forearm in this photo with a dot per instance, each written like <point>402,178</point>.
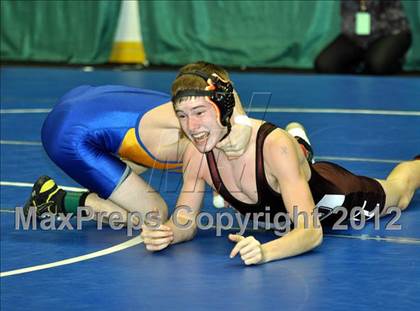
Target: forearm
<point>183,220</point>
<point>297,241</point>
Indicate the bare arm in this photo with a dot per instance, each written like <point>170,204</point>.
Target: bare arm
<point>182,221</point>
<point>282,160</point>
<point>281,154</point>
<point>181,226</point>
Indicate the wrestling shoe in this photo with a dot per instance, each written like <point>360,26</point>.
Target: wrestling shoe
<point>45,197</point>
<point>298,131</point>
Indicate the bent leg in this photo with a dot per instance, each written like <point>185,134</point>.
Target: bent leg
<point>340,56</point>
<point>385,56</point>
<point>135,195</point>
<point>82,135</point>
<point>102,209</point>
<point>97,169</point>
<point>401,184</point>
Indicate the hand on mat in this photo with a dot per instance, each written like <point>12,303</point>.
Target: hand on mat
<point>157,238</point>
<point>248,247</point>
<point>235,144</point>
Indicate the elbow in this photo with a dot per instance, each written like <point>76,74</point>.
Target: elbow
<point>316,237</point>
<point>311,233</point>
<point>192,233</point>
<point>313,238</point>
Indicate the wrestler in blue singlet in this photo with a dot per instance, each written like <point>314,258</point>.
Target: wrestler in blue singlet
<point>92,127</point>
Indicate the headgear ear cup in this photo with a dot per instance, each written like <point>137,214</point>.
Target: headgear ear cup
<point>224,99</point>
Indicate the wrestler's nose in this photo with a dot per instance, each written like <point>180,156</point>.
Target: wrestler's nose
<point>193,124</point>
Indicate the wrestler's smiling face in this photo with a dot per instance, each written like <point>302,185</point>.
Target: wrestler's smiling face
<point>200,122</point>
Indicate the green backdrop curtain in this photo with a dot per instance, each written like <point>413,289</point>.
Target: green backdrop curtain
<point>248,33</point>
<point>234,33</point>
<point>58,31</point>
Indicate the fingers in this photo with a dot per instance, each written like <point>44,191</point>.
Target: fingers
<point>252,257</point>
<point>160,228</point>
<point>229,149</point>
<point>154,248</point>
<point>158,238</point>
<point>254,260</point>
<point>232,153</point>
<point>239,138</point>
<point>249,248</point>
<point>221,143</point>
<point>149,241</point>
<point>236,237</point>
<point>153,234</point>
<point>228,146</point>
<point>241,243</point>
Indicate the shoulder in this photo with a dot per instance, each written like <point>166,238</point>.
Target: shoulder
<point>280,143</point>
<point>280,153</point>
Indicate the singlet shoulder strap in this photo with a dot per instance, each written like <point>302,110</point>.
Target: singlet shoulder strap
<point>262,183</point>
<point>217,180</point>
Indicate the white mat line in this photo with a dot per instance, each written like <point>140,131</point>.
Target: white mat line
<point>29,185</point>
<point>324,158</point>
<point>24,110</point>
<point>271,110</point>
<point>20,142</point>
<point>116,248</point>
<point>402,240</point>
<point>327,158</point>
<point>138,240</point>
<point>338,111</point>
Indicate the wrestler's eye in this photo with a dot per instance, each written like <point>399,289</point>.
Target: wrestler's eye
<point>181,116</point>
<point>200,113</point>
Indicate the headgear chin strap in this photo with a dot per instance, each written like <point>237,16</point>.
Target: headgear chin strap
<point>218,91</point>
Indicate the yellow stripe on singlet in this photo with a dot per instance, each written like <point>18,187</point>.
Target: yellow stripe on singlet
<point>130,149</point>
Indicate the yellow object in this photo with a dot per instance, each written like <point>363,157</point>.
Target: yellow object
<point>47,186</point>
<point>131,149</point>
<point>128,52</point>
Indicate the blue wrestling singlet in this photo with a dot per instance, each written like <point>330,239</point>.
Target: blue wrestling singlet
<point>92,127</point>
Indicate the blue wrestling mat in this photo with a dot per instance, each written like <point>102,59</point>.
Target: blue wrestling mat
<point>365,124</point>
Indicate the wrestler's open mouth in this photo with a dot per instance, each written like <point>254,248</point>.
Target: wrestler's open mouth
<point>201,137</point>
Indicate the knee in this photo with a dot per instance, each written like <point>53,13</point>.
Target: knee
<point>324,64</point>
<point>381,66</point>
<point>162,209</point>
<point>405,198</point>
<point>406,192</point>
<point>164,213</point>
